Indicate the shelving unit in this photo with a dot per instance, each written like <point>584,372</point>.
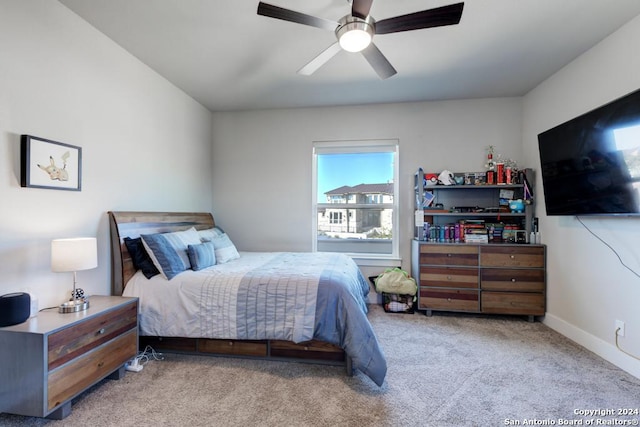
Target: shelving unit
<point>471,202</point>
<point>506,275</point>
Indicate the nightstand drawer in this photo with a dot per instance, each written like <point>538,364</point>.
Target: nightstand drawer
<point>75,377</point>
<point>78,339</point>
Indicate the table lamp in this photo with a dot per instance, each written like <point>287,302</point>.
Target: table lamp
<point>72,255</point>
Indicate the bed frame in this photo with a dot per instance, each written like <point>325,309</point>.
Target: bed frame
<point>133,224</point>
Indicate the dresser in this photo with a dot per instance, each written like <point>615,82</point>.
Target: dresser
<point>480,278</point>
<point>52,357</point>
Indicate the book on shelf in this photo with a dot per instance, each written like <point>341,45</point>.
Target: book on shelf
<point>476,238</point>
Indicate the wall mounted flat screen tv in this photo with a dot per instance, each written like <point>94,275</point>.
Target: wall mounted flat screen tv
<point>591,164</point>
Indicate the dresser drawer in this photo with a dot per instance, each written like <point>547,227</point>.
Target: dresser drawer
<point>454,255</point>
<point>504,279</point>
<point>449,277</point>
<point>512,256</point>
<point>79,338</point>
<point>513,303</point>
<point>71,379</point>
<point>449,299</point>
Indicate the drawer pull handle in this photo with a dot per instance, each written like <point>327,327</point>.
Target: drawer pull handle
<point>448,277</point>
<point>449,255</point>
<point>230,342</point>
<point>449,299</point>
<point>512,257</point>
<point>306,348</point>
<point>101,331</point>
<point>513,280</point>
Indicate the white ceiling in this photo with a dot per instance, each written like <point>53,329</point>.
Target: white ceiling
<point>226,56</point>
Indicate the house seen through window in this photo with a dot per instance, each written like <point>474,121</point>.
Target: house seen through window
<point>355,183</point>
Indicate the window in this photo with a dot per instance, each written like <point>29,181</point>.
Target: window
<point>355,207</point>
<point>335,217</point>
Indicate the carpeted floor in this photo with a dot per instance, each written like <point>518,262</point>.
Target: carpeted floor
<point>445,370</point>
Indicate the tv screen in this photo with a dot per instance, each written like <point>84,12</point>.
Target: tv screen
<point>591,164</point>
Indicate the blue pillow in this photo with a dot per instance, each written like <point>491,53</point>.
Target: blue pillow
<point>224,248</point>
<point>201,256</point>
<point>168,251</point>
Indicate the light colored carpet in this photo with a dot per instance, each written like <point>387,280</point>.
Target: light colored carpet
<point>445,370</point>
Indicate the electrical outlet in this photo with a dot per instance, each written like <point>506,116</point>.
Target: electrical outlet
<point>620,328</point>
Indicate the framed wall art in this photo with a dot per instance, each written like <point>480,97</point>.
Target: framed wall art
<point>50,164</point>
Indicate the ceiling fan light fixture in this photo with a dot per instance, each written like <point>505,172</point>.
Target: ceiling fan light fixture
<point>355,34</point>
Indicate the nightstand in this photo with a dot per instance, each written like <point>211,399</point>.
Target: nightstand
<point>51,358</point>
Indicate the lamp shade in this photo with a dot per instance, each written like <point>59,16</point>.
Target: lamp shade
<point>74,254</point>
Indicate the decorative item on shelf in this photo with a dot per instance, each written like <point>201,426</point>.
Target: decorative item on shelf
<point>490,166</point>
<point>73,255</point>
<point>430,179</point>
<point>500,173</point>
<point>446,178</point>
<point>511,172</point>
<point>516,206</point>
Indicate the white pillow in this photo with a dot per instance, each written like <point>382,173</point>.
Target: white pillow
<point>210,234</point>
<point>225,249</point>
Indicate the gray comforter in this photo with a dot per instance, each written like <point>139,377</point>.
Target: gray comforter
<point>274,302</point>
<point>286,296</point>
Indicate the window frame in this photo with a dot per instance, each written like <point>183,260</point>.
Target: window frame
<point>358,147</point>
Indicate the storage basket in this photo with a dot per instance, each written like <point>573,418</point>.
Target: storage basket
<point>396,303</point>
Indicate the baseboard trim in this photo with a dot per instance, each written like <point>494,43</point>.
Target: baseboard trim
<point>604,349</point>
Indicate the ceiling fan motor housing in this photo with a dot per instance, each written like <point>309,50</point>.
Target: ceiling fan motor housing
<point>355,34</point>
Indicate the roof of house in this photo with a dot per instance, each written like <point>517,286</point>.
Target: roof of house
<point>386,188</point>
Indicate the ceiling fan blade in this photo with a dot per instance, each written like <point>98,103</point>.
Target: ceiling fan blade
<point>378,61</point>
<point>361,8</point>
<point>277,12</point>
<point>438,17</point>
<point>320,60</point>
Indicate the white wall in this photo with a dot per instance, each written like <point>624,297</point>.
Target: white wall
<point>145,144</point>
<point>588,288</point>
<point>262,159</point>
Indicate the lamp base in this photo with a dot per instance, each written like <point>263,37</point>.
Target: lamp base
<point>73,306</point>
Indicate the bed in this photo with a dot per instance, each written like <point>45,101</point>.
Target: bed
<point>305,307</point>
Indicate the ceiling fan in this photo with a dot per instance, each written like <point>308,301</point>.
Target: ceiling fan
<point>356,30</point>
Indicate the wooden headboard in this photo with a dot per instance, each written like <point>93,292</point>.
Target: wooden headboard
<point>133,224</point>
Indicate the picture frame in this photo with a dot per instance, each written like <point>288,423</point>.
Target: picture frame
<point>50,164</point>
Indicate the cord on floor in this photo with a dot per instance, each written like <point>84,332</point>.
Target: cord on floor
<point>620,348</point>
<point>148,354</point>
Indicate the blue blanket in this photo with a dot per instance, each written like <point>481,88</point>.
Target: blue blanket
<point>275,300</point>
<point>341,319</point>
